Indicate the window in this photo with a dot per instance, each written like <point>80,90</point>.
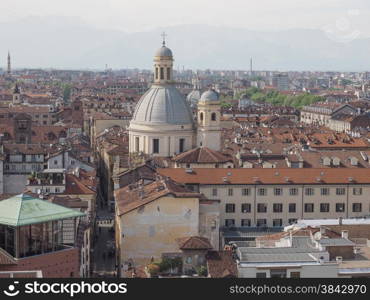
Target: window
<point>292,221</point>
<point>137,144</point>
<point>55,162</point>
<point>262,192</point>
<point>245,223</point>
<point>261,222</point>
<point>278,192</point>
<point>340,191</point>
<point>213,116</point>
<point>340,207</point>
<point>155,145</point>
<point>309,191</point>
<point>277,222</point>
<point>246,192</point>
<point>308,207</point>
<point>261,275</point>
<point>214,192</point>
<point>277,207</point>
<point>201,116</point>
<point>230,208</point>
<point>295,274</point>
<point>246,208</point>
<point>57,190</point>
<point>229,222</point>
<point>292,207</point>
<point>356,207</point>
<point>168,73</point>
<point>261,207</point>
<point>357,191</point>
<point>230,192</point>
<point>325,191</point>
<point>156,73</point>
<point>324,207</point>
<point>72,162</point>
<point>162,73</point>
<point>293,192</point>
<point>181,145</point>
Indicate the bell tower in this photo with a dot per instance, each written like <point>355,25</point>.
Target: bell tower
<point>209,121</point>
<point>17,95</point>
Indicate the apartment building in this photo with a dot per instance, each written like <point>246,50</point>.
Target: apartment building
<point>278,197</point>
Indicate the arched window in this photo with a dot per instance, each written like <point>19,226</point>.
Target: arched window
<point>168,73</point>
<point>156,73</point>
<point>162,73</point>
<point>201,117</point>
<point>213,117</point>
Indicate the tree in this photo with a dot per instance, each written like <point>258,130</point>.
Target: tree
<point>66,92</point>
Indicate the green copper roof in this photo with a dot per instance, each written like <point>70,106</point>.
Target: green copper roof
<point>23,210</point>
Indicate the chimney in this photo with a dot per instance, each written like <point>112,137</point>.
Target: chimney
<point>345,234</point>
<point>339,259</point>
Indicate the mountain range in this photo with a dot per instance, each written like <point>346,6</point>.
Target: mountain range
<point>68,43</point>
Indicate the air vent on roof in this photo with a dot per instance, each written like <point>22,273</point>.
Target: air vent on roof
<point>350,179</point>
<point>318,179</point>
<point>225,179</point>
<point>189,170</point>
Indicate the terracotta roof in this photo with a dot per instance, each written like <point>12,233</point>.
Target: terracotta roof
<point>220,264</point>
<point>268,176</point>
<point>132,197</point>
<point>201,155</point>
<point>194,243</point>
<point>79,185</point>
<point>6,258</point>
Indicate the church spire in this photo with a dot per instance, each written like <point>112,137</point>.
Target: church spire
<point>9,64</point>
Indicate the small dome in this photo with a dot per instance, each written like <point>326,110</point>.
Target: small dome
<point>193,96</point>
<point>164,51</point>
<point>209,96</point>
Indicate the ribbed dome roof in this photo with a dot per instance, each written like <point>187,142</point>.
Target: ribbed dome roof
<point>162,104</point>
<point>209,96</point>
<point>163,51</point>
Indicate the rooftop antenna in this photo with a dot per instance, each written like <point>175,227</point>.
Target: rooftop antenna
<point>251,66</point>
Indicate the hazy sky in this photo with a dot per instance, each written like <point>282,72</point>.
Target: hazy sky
<point>345,16</point>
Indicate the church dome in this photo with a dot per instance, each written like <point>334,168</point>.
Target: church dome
<point>193,97</point>
<point>163,51</point>
<point>209,96</point>
<point>162,105</point>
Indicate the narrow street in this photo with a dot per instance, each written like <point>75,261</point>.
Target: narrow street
<point>104,250</point>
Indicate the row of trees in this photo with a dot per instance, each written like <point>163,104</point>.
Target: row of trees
<point>276,98</point>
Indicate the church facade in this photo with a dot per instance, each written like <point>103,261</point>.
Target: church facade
<point>163,123</point>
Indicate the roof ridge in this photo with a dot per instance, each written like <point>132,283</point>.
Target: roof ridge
<point>20,208</point>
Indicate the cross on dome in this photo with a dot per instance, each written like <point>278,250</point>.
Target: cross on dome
<point>164,38</point>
